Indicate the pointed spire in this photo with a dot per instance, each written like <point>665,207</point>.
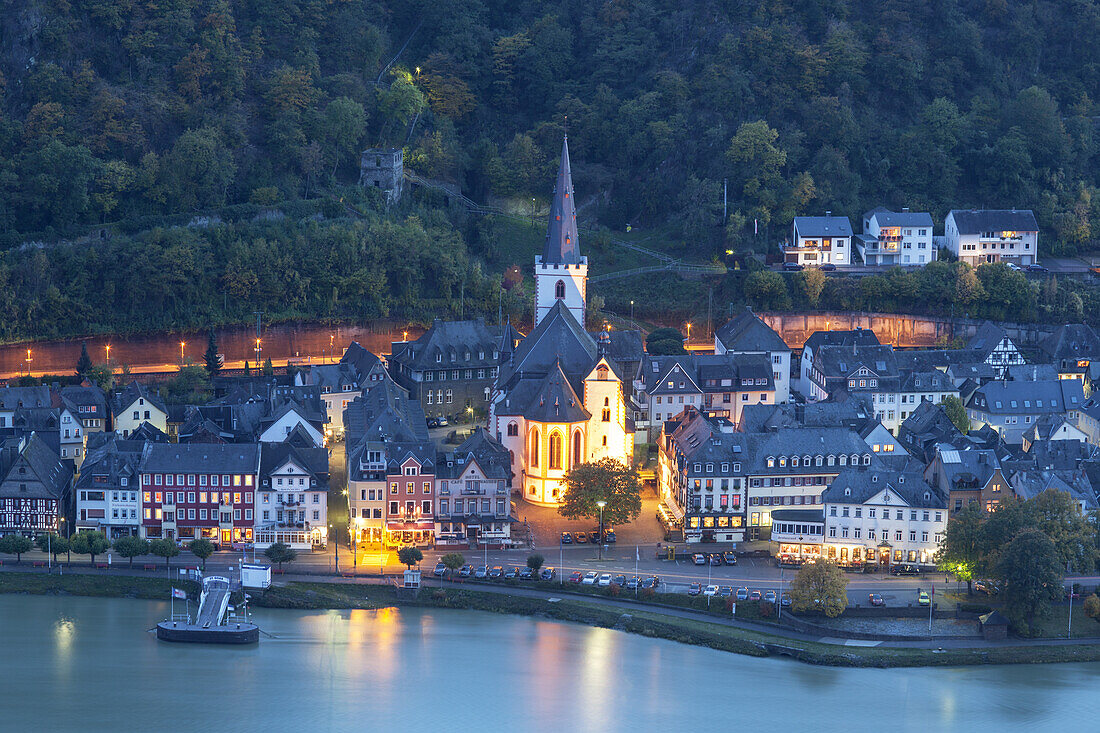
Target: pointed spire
<point>562,246</point>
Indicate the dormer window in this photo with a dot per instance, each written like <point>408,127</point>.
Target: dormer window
<point>438,358</point>
<point>847,492</point>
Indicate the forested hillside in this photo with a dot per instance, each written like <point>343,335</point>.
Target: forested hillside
<point>143,112</point>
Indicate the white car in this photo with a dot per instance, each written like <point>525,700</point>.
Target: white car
<point>589,578</point>
<point>604,581</point>
<point>1013,266</point>
<point>710,590</point>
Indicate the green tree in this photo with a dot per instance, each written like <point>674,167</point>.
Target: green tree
<point>84,363</point>
<point>166,548</point>
<point>963,551</point>
<point>409,556</point>
<point>820,586</point>
<point>664,341</point>
<point>89,543</point>
<point>342,125</point>
<point>956,413</point>
<point>213,364</point>
<point>52,543</point>
<point>15,544</point>
<point>268,368</point>
<point>535,561</point>
<point>1031,571</point>
<point>453,561</point>
<point>130,547</point>
<point>189,386</point>
<point>1092,607</point>
<point>813,283</point>
<point>279,553</point>
<point>606,480</point>
<point>199,170</point>
<point>102,376</point>
<point>1057,515</point>
<point>767,290</point>
<point>201,548</point>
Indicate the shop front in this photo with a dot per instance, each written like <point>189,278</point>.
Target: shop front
<point>419,533</point>
<point>797,535</point>
<point>714,527</point>
<point>852,557</point>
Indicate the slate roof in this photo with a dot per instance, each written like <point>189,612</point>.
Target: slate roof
<point>242,458</point>
<point>384,413</point>
<point>976,221</point>
<point>801,442</point>
<point>492,458</point>
<point>823,226</point>
<point>551,400</point>
<point>147,431</point>
<point>988,336</point>
<point>87,396</point>
<point>113,459</point>
<point>747,333</point>
<point>1029,398</point>
<point>853,414</point>
<point>12,398</point>
<point>562,244</point>
<point>1071,342</point>
<point>1029,484</point>
<point>312,460</point>
<point>798,515</point>
<point>558,338</point>
<point>47,477</point>
<point>859,337</point>
<point>134,391</point>
<point>903,219</point>
<point>859,485</point>
<point>1031,372</point>
<point>456,343</point>
<point>975,465</point>
<point>838,363</point>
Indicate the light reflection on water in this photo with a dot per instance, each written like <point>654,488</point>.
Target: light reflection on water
<point>92,664</point>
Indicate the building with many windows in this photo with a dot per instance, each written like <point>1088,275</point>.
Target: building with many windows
<point>107,487</point>
<point>747,334</point>
<point>341,383</point>
<point>820,240</point>
<point>475,487</point>
<point>292,497</point>
<point>35,488</point>
<point>896,238</point>
<point>992,235</point>
<point>1011,407</point>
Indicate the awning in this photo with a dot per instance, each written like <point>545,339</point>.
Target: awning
<point>398,526</point>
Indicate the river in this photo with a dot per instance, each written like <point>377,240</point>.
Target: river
<point>86,664</point>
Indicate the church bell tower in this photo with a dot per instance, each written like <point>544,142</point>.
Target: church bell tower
<point>561,273</point>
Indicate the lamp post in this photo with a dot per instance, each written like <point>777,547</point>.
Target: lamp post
<point>601,504</point>
<point>331,348</point>
<point>108,348</point>
<point>258,353</point>
<point>632,310</point>
<point>28,362</point>
<point>337,549</point>
<point>182,344</point>
<point>689,333</point>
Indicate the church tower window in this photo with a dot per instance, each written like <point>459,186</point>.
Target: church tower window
<point>559,290</point>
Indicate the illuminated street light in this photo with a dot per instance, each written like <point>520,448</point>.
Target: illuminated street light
<point>182,344</point>
<point>689,332</point>
<point>108,347</point>
<point>28,362</point>
<point>601,504</point>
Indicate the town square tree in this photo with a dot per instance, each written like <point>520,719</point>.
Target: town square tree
<point>606,480</point>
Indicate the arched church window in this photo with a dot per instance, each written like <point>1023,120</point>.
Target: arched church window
<point>533,454</point>
<point>576,448</point>
<point>555,450</point>
<point>559,290</point>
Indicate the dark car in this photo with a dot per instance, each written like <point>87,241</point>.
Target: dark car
<point>695,589</point>
<point>608,536</point>
<point>715,558</point>
<point>632,582</point>
<point>566,538</point>
<point>792,267</point>
<point>496,571</point>
<point>1037,268</point>
<point>619,580</point>
<point>512,573</point>
<point>876,600</point>
<point>546,574</point>
<point>593,536</point>
<point>526,574</point>
<point>725,591</point>
<point>651,582</point>
<point>729,558</point>
<point>575,576</point>
<point>988,587</point>
<point>440,569</point>
<point>828,267</point>
<point>905,570</point>
<point>785,600</point>
<point>699,558</point>
<point>580,537</point>
<point>466,570</point>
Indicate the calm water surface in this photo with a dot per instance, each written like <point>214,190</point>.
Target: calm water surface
<point>86,664</point>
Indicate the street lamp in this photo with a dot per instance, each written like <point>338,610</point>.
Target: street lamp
<point>182,344</point>
<point>337,549</point>
<point>632,310</point>
<point>601,504</point>
<point>689,332</point>
<point>331,353</point>
<point>28,362</point>
<point>108,347</point>
<point>258,353</point>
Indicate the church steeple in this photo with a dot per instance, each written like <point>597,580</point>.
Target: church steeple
<point>562,246</point>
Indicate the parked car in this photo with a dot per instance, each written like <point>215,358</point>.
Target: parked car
<point>609,537</point>
<point>828,267</point>
<point>876,600</point>
<point>566,538</point>
<point>729,558</point>
<point>481,572</point>
<point>769,596</point>
<point>1037,268</point>
<point>526,574</point>
<point>905,570</point>
<point>633,582</point>
<point>590,578</point>
<point>711,590</point>
<point>594,537</point>
<point>604,581</point>
<point>756,596</point>
<point>792,267</point>
<point>742,594</point>
<point>725,591</point>
<point>699,558</point>
<point>512,573</point>
<point>546,574</point>
<point>440,570</point>
<point>651,582</point>
<point>580,537</point>
<point>715,558</point>
<point>575,576</point>
<point>465,571</point>
<point>785,600</point>
<point>989,587</point>
<point>496,572</point>
<point>923,598</point>
<point>695,589</point>
<point>1013,266</point>
<point>619,580</point>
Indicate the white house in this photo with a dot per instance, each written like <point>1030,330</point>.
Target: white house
<point>746,333</point>
<point>292,500</point>
<point>136,405</point>
<point>977,236</point>
<point>896,238</point>
<point>820,240</point>
<point>286,419</point>
<point>883,516</point>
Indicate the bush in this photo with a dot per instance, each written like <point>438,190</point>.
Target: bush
<point>1092,607</point>
<point>979,608</point>
<point>767,610</point>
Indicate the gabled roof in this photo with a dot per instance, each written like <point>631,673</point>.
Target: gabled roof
<point>747,333</point>
<point>1071,342</point>
<point>859,337</point>
<point>148,432</point>
<point>135,391</point>
<point>450,345</point>
<point>41,463</point>
<point>12,398</point>
<point>823,226</point>
<point>562,245</point>
<point>555,401</point>
<point>557,339</point>
<point>903,218</point>
<point>482,449</point>
<point>976,221</point>
<point>987,338</point>
<point>314,461</point>
<point>112,459</point>
<point>859,485</point>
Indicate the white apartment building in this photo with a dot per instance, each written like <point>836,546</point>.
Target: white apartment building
<point>896,238</point>
<point>820,240</point>
<point>977,236</point>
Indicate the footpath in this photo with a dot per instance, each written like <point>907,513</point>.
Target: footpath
<point>563,592</point>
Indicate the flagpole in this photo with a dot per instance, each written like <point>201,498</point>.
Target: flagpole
<point>931,605</point>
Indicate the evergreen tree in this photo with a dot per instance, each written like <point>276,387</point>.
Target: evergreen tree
<point>268,368</point>
<point>213,366</point>
<point>84,363</point>
<point>247,371</point>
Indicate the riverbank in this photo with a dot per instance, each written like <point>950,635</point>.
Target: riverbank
<point>641,620</point>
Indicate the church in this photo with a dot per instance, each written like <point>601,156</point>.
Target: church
<point>562,396</point>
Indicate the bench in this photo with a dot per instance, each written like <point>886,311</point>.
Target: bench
<point>39,563</point>
<point>150,567</point>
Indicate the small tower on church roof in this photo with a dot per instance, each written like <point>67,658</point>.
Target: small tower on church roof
<point>561,273</point>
